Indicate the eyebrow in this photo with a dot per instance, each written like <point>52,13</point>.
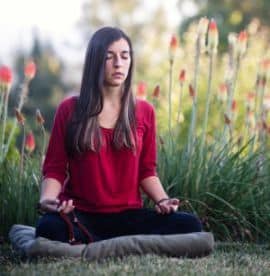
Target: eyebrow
<point>122,52</point>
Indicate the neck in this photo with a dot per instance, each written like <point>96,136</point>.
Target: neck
<point>112,94</point>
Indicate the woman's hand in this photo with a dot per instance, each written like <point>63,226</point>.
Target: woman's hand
<point>66,206</point>
<point>167,205</point>
<point>53,205</point>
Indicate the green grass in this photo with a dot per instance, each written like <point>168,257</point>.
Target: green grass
<point>227,259</point>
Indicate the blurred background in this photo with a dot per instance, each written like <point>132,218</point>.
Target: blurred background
<point>55,35</point>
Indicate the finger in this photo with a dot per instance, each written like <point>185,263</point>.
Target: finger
<point>165,209</point>
<point>175,201</point>
<point>69,207</point>
<point>158,210</point>
<point>70,203</point>
<point>62,206</point>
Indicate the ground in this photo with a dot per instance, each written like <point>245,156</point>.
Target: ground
<point>227,259</point>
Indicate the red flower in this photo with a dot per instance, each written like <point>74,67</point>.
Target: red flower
<point>264,67</point>
<point>39,117</point>
<point>173,47</point>
<point>234,105</point>
<point>30,70</point>
<point>250,100</point>
<point>212,35</point>
<point>30,143</point>
<point>182,76</point>
<point>173,43</point>
<point>242,42</point>
<point>223,91</point>
<point>242,37</point>
<point>191,91</point>
<point>227,119</point>
<point>156,92</point>
<point>141,89</point>
<point>19,116</point>
<point>5,76</point>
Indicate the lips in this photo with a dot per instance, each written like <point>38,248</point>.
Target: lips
<point>118,75</point>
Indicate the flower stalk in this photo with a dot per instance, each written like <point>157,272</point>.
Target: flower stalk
<point>172,51</point>
<point>200,44</point>
<point>212,50</point>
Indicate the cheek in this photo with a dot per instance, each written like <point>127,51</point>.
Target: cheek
<point>108,68</point>
<point>127,66</point>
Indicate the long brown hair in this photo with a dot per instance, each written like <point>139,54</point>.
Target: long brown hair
<point>83,131</point>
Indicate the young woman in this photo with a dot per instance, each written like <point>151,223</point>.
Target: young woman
<point>102,154</point>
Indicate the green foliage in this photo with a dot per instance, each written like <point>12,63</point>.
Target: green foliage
<point>228,188</point>
<point>18,194</point>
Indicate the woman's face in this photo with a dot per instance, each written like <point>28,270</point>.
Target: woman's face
<point>117,63</point>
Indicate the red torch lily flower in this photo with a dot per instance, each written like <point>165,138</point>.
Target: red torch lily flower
<point>234,109</point>
<point>30,70</point>
<point>39,117</point>
<point>222,92</point>
<point>5,77</point>
<point>250,100</point>
<point>212,36</point>
<point>141,90</point>
<point>173,47</point>
<point>30,142</point>
<point>19,116</point>
<point>192,92</point>
<point>156,92</point>
<point>227,120</point>
<point>234,106</point>
<point>182,76</point>
<point>241,45</point>
<point>264,67</point>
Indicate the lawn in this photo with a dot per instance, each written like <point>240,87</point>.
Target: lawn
<point>227,259</point>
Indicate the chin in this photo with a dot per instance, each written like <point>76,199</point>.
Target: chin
<point>114,84</point>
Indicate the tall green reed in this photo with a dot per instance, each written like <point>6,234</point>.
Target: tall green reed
<point>224,181</point>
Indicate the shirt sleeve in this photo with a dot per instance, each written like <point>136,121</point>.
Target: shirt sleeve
<point>148,158</point>
<point>56,160</point>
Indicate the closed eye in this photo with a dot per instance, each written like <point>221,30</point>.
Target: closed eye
<point>123,55</point>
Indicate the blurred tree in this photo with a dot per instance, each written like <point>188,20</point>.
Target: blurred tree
<point>146,26</point>
<point>230,15</point>
<point>46,89</point>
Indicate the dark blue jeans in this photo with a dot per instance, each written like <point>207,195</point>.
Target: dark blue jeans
<point>106,226</point>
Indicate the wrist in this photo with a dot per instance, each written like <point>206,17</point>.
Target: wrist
<point>39,208</point>
<point>161,200</point>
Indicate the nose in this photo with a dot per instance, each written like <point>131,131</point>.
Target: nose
<point>118,61</point>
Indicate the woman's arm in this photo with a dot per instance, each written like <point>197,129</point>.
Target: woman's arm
<point>154,189</point>
<point>49,202</point>
<point>55,164</point>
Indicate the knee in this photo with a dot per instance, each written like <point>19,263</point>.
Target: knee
<point>51,226</point>
<point>193,223</point>
<point>186,223</point>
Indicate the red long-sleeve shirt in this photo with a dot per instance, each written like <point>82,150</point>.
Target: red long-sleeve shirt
<point>108,180</point>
